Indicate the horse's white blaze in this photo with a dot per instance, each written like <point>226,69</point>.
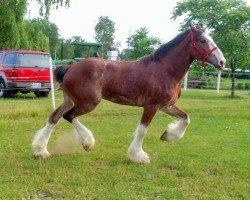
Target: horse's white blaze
<point>217,53</point>
<point>84,135</point>
<point>176,130</point>
<point>135,151</point>
<point>41,139</point>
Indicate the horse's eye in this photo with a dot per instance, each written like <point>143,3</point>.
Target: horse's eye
<point>203,41</point>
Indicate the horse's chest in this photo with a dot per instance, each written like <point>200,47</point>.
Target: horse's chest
<point>171,95</point>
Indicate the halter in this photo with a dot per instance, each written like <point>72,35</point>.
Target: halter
<point>204,52</point>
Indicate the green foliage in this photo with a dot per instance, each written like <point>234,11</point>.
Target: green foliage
<point>68,49</point>
<point>72,51</point>
<point>240,86</point>
<point>227,20</point>
<point>104,30</point>
<point>16,8</point>
<point>33,37</point>
<point>47,5</point>
<point>247,86</point>
<point>78,50</point>
<point>11,14</point>
<point>140,44</point>
<point>35,34</point>
<point>49,29</point>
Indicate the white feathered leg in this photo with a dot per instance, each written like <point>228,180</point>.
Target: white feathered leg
<point>40,141</point>
<point>175,130</point>
<point>85,135</point>
<point>135,151</point>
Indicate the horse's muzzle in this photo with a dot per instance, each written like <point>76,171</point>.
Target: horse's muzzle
<point>221,65</point>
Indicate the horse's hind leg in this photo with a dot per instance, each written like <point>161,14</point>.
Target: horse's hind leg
<point>85,135</point>
<point>135,151</point>
<point>40,141</point>
<point>176,130</point>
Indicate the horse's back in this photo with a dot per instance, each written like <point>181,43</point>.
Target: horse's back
<point>85,70</point>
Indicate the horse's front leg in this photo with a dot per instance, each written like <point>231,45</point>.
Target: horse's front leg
<point>135,151</point>
<point>175,130</point>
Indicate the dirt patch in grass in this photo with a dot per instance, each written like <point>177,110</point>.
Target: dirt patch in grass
<point>66,143</point>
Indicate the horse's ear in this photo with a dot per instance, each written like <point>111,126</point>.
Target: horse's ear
<point>198,26</point>
<point>193,28</point>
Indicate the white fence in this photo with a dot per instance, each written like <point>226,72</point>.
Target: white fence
<point>217,80</point>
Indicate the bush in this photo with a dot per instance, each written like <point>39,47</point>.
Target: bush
<point>247,86</point>
<point>240,86</point>
<point>211,82</point>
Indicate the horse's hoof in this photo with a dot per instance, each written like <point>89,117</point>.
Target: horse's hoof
<point>89,144</point>
<point>87,147</point>
<point>36,157</point>
<point>44,154</point>
<point>144,160</point>
<point>164,136</point>
<point>140,157</point>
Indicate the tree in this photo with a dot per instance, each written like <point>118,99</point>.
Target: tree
<point>13,26</point>
<point>68,49</point>
<point>140,44</point>
<point>31,37</point>
<point>46,5</point>
<point>227,20</point>
<point>104,30</point>
<point>78,50</point>
<point>50,30</point>
<point>11,14</point>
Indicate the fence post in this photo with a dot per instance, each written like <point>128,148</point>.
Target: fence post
<point>218,82</point>
<point>52,84</point>
<point>185,81</point>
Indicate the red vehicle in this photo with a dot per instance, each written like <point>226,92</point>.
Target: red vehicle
<point>24,71</point>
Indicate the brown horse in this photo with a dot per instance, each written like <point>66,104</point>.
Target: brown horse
<point>152,82</point>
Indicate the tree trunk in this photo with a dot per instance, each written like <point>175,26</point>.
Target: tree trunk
<point>62,50</point>
<point>233,68</point>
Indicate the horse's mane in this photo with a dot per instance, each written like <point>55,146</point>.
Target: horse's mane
<point>164,49</point>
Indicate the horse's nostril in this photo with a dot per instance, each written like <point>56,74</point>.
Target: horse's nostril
<point>221,63</point>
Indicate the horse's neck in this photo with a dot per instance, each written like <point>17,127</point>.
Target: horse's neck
<point>178,61</point>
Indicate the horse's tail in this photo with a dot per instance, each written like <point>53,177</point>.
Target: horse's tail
<point>60,72</point>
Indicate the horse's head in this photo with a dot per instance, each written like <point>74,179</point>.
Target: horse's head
<point>204,48</point>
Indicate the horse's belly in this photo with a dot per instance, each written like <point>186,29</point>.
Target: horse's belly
<point>120,99</point>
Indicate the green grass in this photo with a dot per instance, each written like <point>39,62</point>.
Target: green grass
<point>212,161</point>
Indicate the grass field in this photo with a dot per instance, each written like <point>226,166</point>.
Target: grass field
<point>212,161</point>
